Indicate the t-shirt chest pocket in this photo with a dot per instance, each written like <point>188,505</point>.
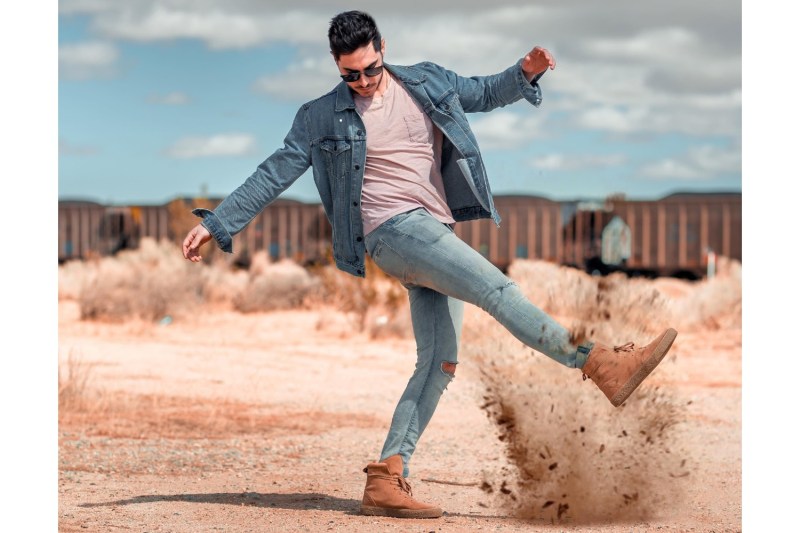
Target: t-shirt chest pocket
<point>419,129</point>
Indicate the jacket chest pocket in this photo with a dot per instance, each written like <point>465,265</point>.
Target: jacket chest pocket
<point>336,154</point>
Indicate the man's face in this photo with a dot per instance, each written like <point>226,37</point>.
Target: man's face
<point>364,58</point>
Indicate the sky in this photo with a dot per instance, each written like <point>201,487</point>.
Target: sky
<point>165,98</point>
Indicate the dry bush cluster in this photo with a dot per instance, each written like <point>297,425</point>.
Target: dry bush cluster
<point>150,283</point>
<point>615,309</point>
<point>155,281</point>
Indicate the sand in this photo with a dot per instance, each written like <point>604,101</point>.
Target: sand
<point>217,420</point>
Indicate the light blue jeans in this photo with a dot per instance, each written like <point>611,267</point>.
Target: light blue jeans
<point>441,272</point>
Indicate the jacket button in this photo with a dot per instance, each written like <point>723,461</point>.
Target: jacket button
<point>359,239</point>
<point>359,272</point>
<point>357,167</point>
<point>355,204</point>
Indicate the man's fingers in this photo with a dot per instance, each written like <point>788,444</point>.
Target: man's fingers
<point>187,242</point>
<point>543,52</point>
<point>191,245</point>
<point>196,238</point>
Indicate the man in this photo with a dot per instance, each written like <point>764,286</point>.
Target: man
<point>396,165</point>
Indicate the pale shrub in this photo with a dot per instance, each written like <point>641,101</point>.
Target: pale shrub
<point>222,285</point>
<point>151,282</point>
<point>274,286</point>
<point>712,303</point>
<point>376,304</point>
<point>557,290</point>
<point>616,309</point>
<point>72,277</point>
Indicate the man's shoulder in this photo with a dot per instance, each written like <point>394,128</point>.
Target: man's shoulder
<point>328,98</point>
<point>419,70</point>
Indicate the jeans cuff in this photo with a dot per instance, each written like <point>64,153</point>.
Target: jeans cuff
<point>583,354</point>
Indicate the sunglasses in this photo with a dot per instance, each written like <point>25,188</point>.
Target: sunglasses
<point>350,77</point>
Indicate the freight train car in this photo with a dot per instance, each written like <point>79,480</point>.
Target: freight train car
<point>87,229</point>
<point>672,236</point>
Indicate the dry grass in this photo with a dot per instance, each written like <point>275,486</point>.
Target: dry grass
<point>73,384</point>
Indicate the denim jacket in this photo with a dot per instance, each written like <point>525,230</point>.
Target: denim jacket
<point>329,135</point>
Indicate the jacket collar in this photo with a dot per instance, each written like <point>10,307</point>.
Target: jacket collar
<point>344,96</point>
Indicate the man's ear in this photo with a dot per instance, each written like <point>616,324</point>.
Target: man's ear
<point>383,46</point>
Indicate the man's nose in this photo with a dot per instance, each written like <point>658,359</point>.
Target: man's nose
<point>363,80</point>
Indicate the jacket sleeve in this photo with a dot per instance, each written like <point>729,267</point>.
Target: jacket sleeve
<point>270,179</point>
<point>484,93</point>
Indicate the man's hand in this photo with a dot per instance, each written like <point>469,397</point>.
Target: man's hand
<point>536,61</point>
<point>196,238</point>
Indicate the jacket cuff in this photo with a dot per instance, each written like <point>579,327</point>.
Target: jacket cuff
<point>215,227</point>
<point>529,90</point>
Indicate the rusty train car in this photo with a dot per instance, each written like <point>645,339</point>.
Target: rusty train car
<point>671,236</point>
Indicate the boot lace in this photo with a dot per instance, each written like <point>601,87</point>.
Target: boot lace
<point>627,347</point>
<point>404,486</point>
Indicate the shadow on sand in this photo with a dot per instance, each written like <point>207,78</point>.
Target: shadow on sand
<point>312,501</point>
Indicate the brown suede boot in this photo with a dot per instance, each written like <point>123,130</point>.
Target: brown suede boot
<point>619,370</point>
<point>388,493</point>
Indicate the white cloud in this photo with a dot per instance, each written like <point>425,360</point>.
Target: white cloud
<point>69,7</point>
<point>699,163</point>
<point>303,81</point>
<point>578,162</point>
<point>231,144</point>
<point>505,129</point>
<point>173,98</point>
<point>87,60</point>
<point>219,25</point>
<point>697,116</point>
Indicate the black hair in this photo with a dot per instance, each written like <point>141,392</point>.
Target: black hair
<point>352,30</point>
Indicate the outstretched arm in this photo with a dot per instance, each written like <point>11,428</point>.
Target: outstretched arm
<point>270,179</point>
<point>520,81</point>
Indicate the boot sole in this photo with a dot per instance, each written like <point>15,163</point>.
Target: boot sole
<point>401,513</point>
<point>648,366</point>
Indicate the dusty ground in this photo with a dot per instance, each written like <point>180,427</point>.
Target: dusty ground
<point>263,422</point>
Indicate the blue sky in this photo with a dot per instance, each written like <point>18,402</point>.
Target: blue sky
<point>166,98</point>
